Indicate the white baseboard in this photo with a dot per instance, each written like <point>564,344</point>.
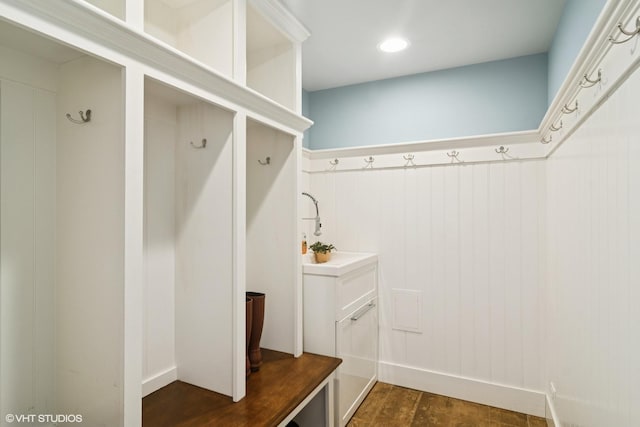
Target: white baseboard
<point>551,416</point>
<point>158,381</point>
<point>501,396</point>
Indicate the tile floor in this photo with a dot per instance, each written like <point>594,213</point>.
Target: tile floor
<point>390,406</point>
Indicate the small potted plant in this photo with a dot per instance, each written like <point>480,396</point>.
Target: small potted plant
<point>321,251</point>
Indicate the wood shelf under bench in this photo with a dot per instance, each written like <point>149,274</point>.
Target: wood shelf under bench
<point>275,391</point>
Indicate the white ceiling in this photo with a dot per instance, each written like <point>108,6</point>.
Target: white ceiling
<point>443,34</point>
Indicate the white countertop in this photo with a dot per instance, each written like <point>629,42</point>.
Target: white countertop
<point>339,264</point>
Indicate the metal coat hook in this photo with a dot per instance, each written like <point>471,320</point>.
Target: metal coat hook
<point>554,128</point>
<point>334,162</point>
<point>590,83</point>
<point>267,161</point>
<point>629,34</point>
<point>546,141</point>
<point>203,144</point>
<point>453,155</point>
<point>409,158</point>
<point>567,110</point>
<point>369,161</point>
<point>503,151</point>
<point>85,117</point>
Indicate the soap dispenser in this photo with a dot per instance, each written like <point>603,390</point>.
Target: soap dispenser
<point>304,243</point>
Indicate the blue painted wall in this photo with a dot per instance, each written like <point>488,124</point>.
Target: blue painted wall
<point>493,97</point>
<point>578,17</point>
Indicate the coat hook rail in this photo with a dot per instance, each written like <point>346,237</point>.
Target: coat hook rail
<point>587,82</point>
<point>629,34</point>
<point>453,155</point>
<point>554,128</point>
<point>85,117</point>
<point>567,110</point>
<point>203,144</point>
<point>267,161</point>
<point>548,140</point>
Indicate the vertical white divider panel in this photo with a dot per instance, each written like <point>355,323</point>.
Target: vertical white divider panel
<point>90,247</point>
<point>133,244</point>
<point>298,327</point>
<point>239,204</point>
<point>240,42</point>
<point>204,264</point>
<point>239,253</point>
<point>297,104</point>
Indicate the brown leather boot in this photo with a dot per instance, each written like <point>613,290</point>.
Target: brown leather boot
<point>255,356</point>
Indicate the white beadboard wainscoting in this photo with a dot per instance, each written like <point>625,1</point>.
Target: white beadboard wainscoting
<point>510,282</point>
<point>467,241</point>
<point>592,317</point>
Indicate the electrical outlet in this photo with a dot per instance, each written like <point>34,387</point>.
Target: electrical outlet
<point>552,389</point>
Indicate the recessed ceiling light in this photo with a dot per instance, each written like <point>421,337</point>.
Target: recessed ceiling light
<point>393,44</point>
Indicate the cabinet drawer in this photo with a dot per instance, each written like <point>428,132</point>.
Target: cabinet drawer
<point>354,289</point>
<point>357,346</point>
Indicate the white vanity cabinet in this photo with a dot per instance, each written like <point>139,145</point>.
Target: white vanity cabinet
<point>341,320</point>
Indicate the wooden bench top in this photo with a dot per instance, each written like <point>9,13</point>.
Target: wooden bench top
<point>282,383</point>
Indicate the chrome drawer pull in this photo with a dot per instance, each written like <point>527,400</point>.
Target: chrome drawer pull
<point>363,311</point>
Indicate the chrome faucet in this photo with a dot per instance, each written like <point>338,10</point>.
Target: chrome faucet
<point>317,217</point>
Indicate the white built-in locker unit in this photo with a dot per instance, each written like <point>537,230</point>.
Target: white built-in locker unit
<point>128,241</point>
